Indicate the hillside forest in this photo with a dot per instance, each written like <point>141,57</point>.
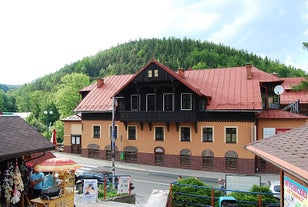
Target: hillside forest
<point>58,92</point>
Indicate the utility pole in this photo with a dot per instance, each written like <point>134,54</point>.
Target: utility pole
<point>113,138</point>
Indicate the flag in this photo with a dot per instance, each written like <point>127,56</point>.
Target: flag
<point>53,138</point>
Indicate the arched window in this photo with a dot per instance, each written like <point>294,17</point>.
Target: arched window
<point>159,155</point>
<point>108,152</point>
<point>93,150</point>
<point>207,159</point>
<point>185,155</point>
<point>130,154</point>
<point>231,160</point>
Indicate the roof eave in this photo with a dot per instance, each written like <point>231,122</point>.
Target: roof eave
<point>285,166</point>
<point>20,154</point>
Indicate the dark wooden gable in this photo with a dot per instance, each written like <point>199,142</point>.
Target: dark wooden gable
<point>153,73</point>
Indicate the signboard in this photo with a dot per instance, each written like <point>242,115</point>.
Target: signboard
<point>268,132</point>
<point>295,194</point>
<point>123,186</point>
<point>242,182</point>
<point>89,190</point>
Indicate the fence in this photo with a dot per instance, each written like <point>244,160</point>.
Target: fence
<point>187,195</point>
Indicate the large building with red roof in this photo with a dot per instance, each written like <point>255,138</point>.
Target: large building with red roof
<point>195,119</point>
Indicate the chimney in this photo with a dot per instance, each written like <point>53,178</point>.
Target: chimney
<point>249,71</point>
<point>274,74</point>
<point>99,82</point>
<point>181,73</point>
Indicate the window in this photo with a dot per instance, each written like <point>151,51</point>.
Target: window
<point>135,102</point>
<point>115,131</point>
<point>231,134</point>
<point>93,153</point>
<point>150,102</point>
<point>207,159</point>
<point>150,73</point>
<point>96,131</point>
<point>93,150</point>
<point>185,134</point>
<point>186,101</point>
<point>132,133</point>
<point>108,152</point>
<point>168,102</point>
<point>202,104</point>
<point>156,73</point>
<point>159,155</point>
<point>159,134</point>
<point>75,139</point>
<point>231,160</point>
<point>207,134</point>
<point>185,155</point>
<point>130,154</point>
<point>153,73</point>
<point>262,164</point>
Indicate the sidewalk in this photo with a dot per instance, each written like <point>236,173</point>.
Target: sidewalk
<point>152,169</point>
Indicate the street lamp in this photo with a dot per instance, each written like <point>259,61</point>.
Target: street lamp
<point>113,145</point>
<point>47,113</point>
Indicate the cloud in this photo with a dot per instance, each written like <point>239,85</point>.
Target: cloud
<point>234,26</point>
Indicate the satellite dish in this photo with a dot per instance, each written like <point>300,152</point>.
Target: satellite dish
<point>278,90</point>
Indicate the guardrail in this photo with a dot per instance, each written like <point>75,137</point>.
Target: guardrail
<point>193,195</point>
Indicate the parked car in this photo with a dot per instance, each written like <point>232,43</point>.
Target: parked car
<point>99,176</point>
<point>275,188</point>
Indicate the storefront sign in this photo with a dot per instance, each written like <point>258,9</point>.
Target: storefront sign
<point>123,186</point>
<point>295,194</point>
<point>89,190</point>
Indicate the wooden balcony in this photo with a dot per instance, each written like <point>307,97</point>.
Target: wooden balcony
<point>157,116</point>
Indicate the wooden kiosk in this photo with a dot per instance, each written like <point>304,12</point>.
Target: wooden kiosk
<point>65,179</point>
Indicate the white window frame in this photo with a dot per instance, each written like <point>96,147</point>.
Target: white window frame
<point>202,127</point>
<point>188,109</point>
<point>128,132</point>
<point>172,100</point>
<point>100,131</point>
<point>150,94</point>
<point>180,136</point>
<point>163,132</point>
<point>116,128</point>
<point>131,102</point>
<point>225,134</point>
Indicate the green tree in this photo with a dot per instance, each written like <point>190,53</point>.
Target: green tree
<point>67,96</point>
<point>246,199</point>
<point>305,45</point>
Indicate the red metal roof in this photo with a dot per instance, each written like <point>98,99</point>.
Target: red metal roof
<point>288,83</point>
<point>226,88</point>
<point>88,88</point>
<point>75,117</point>
<point>229,87</point>
<point>289,94</point>
<point>100,99</point>
<point>279,114</point>
<point>286,150</point>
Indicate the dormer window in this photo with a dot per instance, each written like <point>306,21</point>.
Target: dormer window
<point>153,73</point>
<point>156,73</point>
<point>150,73</point>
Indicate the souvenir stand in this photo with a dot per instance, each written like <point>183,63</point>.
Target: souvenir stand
<point>13,182</point>
<point>63,171</point>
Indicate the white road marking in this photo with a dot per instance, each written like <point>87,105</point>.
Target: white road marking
<point>151,182</point>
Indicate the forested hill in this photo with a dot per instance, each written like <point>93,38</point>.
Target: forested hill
<point>175,53</point>
<point>58,92</point>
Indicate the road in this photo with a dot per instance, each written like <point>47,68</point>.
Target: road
<point>144,180</point>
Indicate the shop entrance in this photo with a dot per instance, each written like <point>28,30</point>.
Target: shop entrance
<point>76,144</point>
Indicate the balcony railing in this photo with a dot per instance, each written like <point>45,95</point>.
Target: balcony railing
<point>157,116</point>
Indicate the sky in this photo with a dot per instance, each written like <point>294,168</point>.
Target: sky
<point>39,37</point>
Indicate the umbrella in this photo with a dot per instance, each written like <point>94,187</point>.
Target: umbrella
<point>53,138</point>
<point>57,164</point>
